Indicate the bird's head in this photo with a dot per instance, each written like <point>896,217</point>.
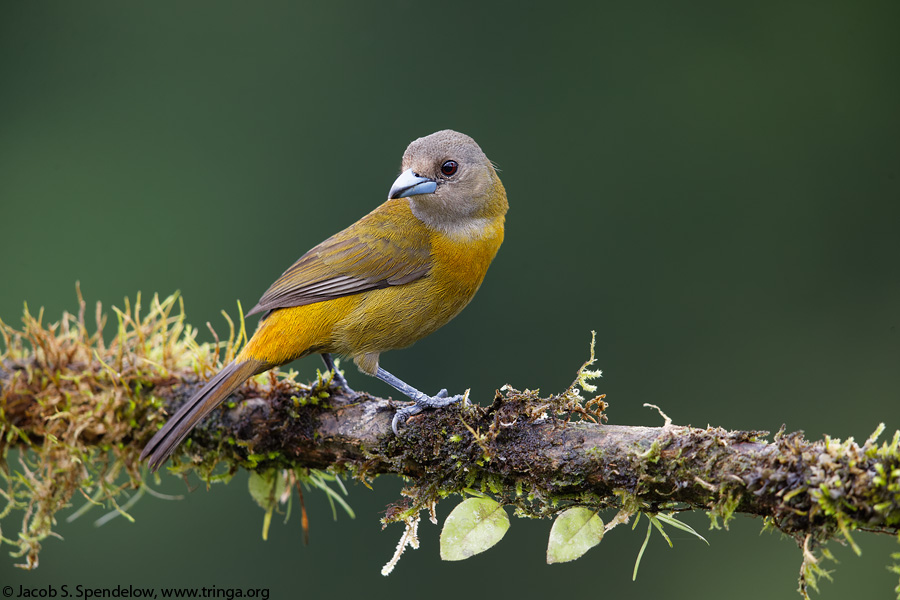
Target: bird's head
<point>449,181</point>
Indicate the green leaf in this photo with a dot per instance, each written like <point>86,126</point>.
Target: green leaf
<point>656,521</point>
<point>574,532</point>
<point>265,488</point>
<point>637,563</point>
<point>671,520</point>
<point>662,531</point>
<point>472,527</point>
<point>317,478</point>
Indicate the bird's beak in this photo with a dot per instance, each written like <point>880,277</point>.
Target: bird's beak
<point>410,184</point>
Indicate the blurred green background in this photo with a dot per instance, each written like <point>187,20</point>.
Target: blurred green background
<point>712,188</point>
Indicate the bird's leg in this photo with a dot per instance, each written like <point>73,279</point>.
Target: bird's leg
<point>422,401</point>
<point>338,376</point>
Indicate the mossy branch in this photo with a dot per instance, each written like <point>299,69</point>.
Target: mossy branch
<point>80,408</point>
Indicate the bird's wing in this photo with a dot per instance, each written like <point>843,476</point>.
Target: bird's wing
<point>389,246</point>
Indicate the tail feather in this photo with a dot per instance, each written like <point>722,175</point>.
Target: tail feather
<point>199,406</point>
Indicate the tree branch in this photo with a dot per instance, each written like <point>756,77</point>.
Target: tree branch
<point>85,409</point>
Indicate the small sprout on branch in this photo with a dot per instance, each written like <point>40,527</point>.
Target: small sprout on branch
<point>656,521</point>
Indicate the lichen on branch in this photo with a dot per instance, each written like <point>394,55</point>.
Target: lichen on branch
<point>76,409</point>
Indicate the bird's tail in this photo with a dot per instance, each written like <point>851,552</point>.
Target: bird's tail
<point>201,404</point>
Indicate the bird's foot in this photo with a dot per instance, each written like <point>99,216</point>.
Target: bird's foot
<point>337,376</point>
<point>421,402</point>
<point>341,382</point>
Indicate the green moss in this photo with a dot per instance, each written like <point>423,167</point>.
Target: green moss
<point>724,509</point>
<point>98,403</point>
<point>652,454</point>
<point>81,427</point>
<point>596,453</point>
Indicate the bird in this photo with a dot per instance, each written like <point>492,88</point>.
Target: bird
<point>393,277</point>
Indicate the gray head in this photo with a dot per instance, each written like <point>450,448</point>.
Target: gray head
<point>447,177</point>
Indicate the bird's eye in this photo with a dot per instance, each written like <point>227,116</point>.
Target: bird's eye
<point>449,168</point>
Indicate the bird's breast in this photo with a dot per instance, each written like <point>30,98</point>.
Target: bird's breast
<point>397,316</point>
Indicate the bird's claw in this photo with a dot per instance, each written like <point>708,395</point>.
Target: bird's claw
<point>402,415</point>
<point>439,400</point>
<point>339,379</point>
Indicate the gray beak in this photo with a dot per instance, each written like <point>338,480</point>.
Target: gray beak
<point>410,184</point>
